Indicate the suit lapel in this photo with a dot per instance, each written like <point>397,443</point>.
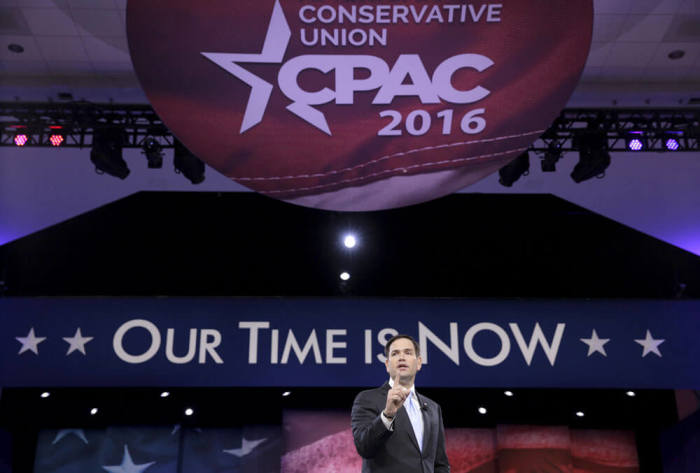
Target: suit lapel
<point>404,424</point>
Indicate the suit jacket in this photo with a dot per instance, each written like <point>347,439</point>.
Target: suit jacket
<point>386,451</point>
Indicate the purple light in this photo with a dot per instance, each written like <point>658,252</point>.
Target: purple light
<point>635,144</point>
<point>21,139</point>
<point>672,144</point>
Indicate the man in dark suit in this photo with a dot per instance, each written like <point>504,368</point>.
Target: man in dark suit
<point>396,430</point>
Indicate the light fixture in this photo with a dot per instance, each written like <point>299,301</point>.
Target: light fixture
<point>21,139</point>
<point>188,164</point>
<point>676,54</point>
<point>15,48</point>
<point>350,241</point>
<point>94,411</point>
<point>56,139</point>
<point>154,153</point>
<point>594,158</point>
<point>482,410</point>
<point>551,156</point>
<point>580,414</point>
<point>45,394</point>
<point>631,393</point>
<point>512,171</point>
<point>164,394</point>
<point>508,393</point>
<point>286,393</point>
<point>672,140</point>
<point>635,141</point>
<point>106,153</point>
<point>189,411</point>
<point>344,275</point>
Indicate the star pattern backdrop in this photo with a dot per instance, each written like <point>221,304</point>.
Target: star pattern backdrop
<point>251,449</point>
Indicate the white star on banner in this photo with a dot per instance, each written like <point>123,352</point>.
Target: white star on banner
<point>77,342</point>
<point>127,465</point>
<point>595,344</point>
<point>650,344</point>
<point>246,447</point>
<point>30,342</point>
<point>63,433</point>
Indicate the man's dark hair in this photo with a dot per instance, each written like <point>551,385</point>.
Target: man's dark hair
<point>397,337</point>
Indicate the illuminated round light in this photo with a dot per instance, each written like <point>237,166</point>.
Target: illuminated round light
<point>94,411</point>
<point>21,139</point>
<point>44,395</point>
<point>482,410</point>
<point>635,144</point>
<point>350,241</point>
<point>164,394</point>
<point>508,393</point>
<point>189,411</point>
<point>344,275</point>
<point>580,414</point>
<point>631,393</point>
<point>286,393</point>
<point>672,144</point>
<point>56,140</point>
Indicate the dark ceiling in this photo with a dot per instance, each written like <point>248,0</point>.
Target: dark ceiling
<point>243,244</point>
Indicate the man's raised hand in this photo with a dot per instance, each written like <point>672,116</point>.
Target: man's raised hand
<point>395,398</point>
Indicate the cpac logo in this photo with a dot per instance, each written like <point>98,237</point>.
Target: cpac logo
<point>389,81</point>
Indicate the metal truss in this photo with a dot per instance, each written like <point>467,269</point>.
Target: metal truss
<point>77,122</point>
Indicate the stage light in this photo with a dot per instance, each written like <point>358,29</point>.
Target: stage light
<point>154,153</point>
<point>350,241</point>
<point>189,411</point>
<point>580,414</point>
<point>509,393</point>
<point>344,275</point>
<point>21,139</point>
<point>286,393</point>
<point>631,393</point>
<point>551,156</point>
<point>94,411</point>
<point>46,394</point>
<point>106,153</point>
<point>164,394</point>
<point>512,171</point>
<point>482,410</point>
<point>635,141</point>
<point>594,158</point>
<point>672,144</point>
<point>56,140</point>
<point>188,164</point>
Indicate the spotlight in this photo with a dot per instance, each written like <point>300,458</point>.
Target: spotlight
<point>631,393</point>
<point>509,393</point>
<point>106,153</point>
<point>94,411</point>
<point>45,394</point>
<point>189,411</point>
<point>164,394</point>
<point>635,141</point>
<point>350,241</point>
<point>344,275</point>
<point>188,164</point>
<point>594,158</point>
<point>580,414</point>
<point>512,171</point>
<point>56,140</point>
<point>21,139</point>
<point>551,156</point>
<point>286,393</point>
<point>154,153</point>
<point>482,410</point>
<point>672,141</point>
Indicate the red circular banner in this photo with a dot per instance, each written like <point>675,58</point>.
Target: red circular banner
<point>358,105</point>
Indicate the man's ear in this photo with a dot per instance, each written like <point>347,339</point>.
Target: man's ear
<point>386,363</point>
<point>420,363</point>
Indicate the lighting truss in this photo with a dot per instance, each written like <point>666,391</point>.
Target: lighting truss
<point>78,121</point>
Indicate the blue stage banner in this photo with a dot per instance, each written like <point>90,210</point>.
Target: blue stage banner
<point>339,342</point>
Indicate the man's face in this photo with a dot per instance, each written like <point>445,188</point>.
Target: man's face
<point>403,361</point>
